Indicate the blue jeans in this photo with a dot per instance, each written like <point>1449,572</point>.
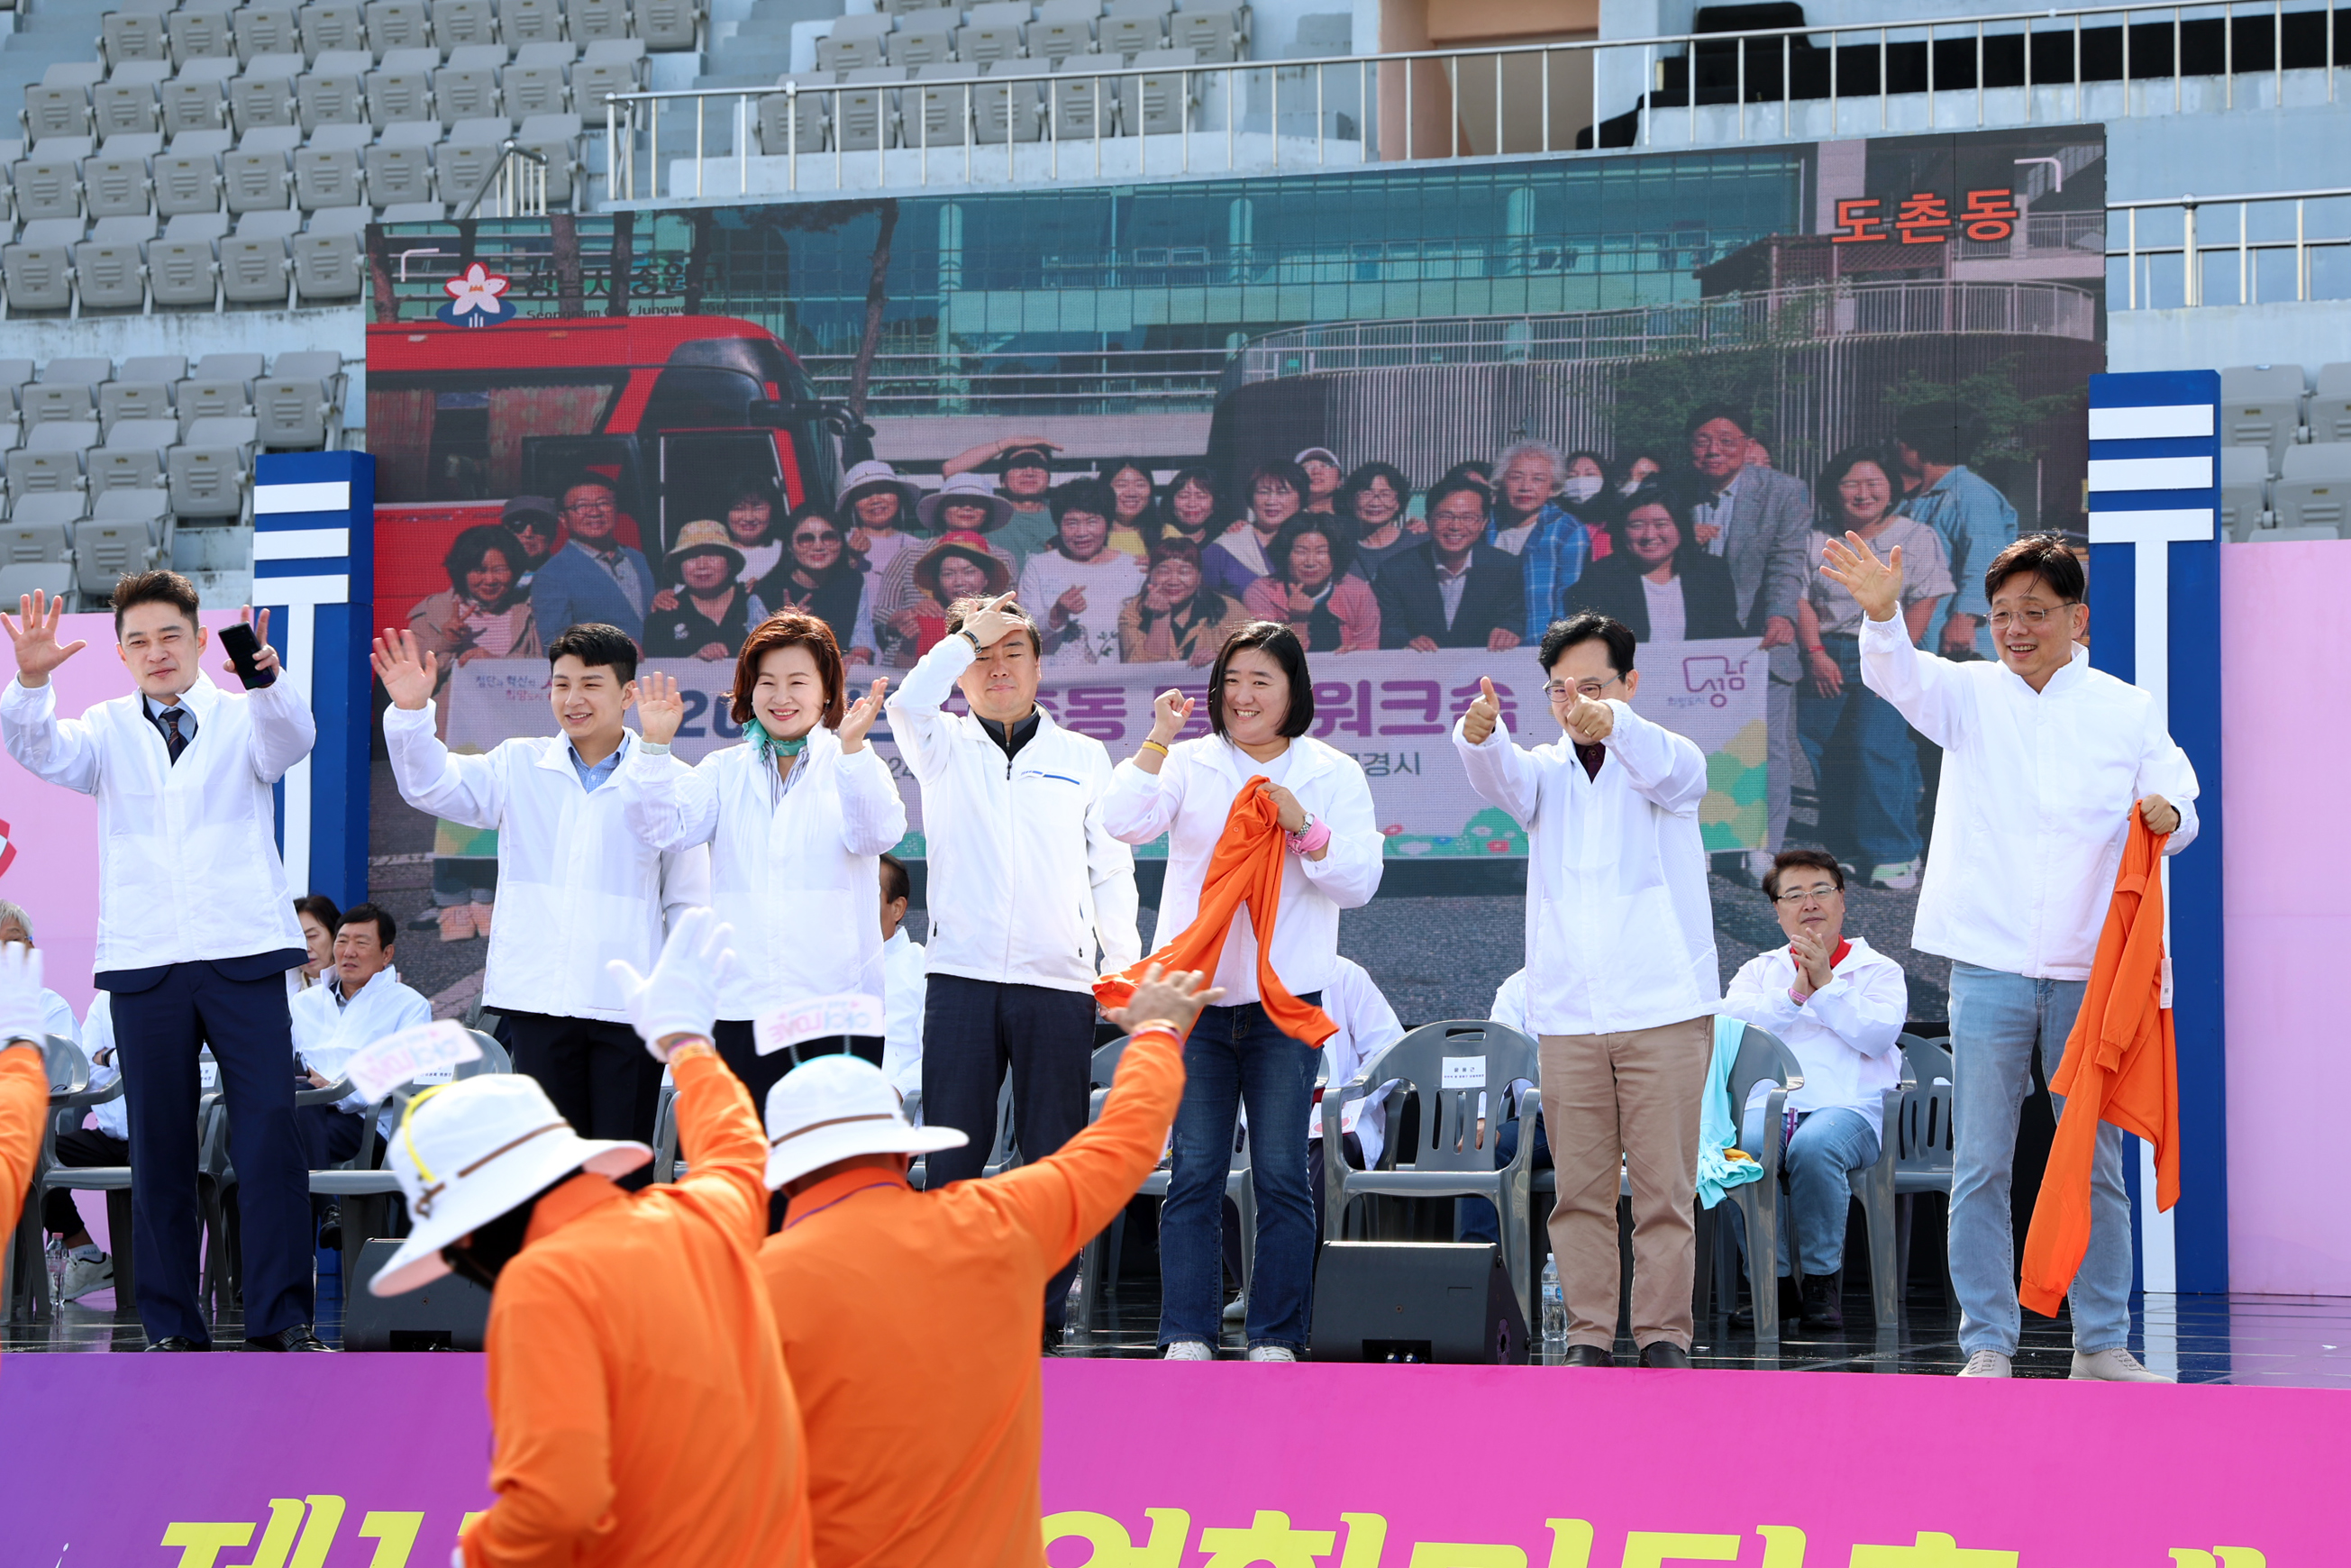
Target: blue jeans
<point>1474,1218</point>
<point>1816,1163</point>
<point>1236,1057</point>
<point>1867,777</point>
<point>1997,1018</point>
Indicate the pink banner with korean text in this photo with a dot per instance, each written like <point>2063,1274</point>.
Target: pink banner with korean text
<point>1393,712</point>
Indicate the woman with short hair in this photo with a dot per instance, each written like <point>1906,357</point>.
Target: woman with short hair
<point>1177,617</point>
<point>1313,590</point>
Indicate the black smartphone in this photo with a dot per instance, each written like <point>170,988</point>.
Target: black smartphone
<point>243,647</point>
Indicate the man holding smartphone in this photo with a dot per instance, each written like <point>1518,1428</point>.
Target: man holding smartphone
<point>195,933</point>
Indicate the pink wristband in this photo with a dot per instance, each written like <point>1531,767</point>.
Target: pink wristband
<point>1317,834</point>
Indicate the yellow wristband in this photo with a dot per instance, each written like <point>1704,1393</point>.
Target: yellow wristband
<point>690,1049</point>
<point>1156,747</point>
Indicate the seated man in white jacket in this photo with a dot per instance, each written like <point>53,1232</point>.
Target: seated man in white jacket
<point>902,979</point>
<point>359,1002</point>
<point>1367,1026</point>
<point>1840,1006</point>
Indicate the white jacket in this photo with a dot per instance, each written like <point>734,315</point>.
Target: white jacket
<point>188,865</point>
<point>1620,931</point>
<point>327,1035</point>
<point>1367,1026</point>
<point>113,1116</point>
<point>905,987</point>
<point>576,888</point>
<point>1189,799</point>
<point>796,876</point>
<point>2035,800</point>
<point>1847,1034</point>
<point>1026,879</point>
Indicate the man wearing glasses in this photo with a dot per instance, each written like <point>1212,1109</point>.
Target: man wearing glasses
<point>2044,759</point>
<point>1840,1006</point>
<point>1622,985</point>
<point>594,580</point>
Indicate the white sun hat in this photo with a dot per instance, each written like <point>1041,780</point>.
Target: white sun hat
<point>838,1106</point>
<point>469,1151</point>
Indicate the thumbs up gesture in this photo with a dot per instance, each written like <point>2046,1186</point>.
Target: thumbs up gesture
<point>1588,720</point>
<point>1485,713</point>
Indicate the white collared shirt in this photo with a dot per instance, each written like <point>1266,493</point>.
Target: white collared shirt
<point>329,1027</point>
<point>1620,930</point>
<point>905,984</point>
<point>1847,1034</point>
<point>1367,1026</point>
<point>1716,512</point>
<point>2035,801</point>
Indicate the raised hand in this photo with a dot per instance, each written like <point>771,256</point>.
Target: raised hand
<point>1813,970</point>
<point>661,707</point>
<point>1485,713</point>
<point>407,675</point>
<point>1502,640</point>
<point>265,657</point>
<point>1170,711</point>
<point>1172,1000</point>
<point>666,600</point>
<point>38,649</point>
<point>1070,606</point>
<point>1589,720</point>
<point>992,625</point>
<point>1876,585</point>
<point>679,1001</point>
<point>861,716</point>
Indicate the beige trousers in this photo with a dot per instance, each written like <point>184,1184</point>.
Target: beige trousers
<point>1631,1096</point>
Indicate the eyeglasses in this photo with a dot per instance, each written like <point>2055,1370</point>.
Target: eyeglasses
<point>816,538</point>
<point>1588,690</point>
<point>2033,616</point>
<point>604,505</point>
<point>1478,517</point>
<point>1800,895</point>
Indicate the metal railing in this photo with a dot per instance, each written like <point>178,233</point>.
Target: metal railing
<point>2188,234</point>
<point>1084,120</point>
<point>517,187</point>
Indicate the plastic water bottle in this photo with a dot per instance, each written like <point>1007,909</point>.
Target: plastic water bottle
<point>56,1262</point>
<point>1073,1324</point>
<point>1554,1308</point>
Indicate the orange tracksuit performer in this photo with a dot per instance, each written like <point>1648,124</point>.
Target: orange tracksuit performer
<point>640,1411</point>
<point>910,1319</point>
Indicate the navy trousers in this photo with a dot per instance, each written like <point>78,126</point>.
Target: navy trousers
<point>159,1030</point>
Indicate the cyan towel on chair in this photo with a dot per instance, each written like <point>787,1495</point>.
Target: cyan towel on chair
<point>1717,1126</point>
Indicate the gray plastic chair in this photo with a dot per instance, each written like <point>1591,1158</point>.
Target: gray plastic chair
<point>1763,1056</point>
<point>370,1197</point>
<point>1447,1157</point>
<point>1923,1139</point>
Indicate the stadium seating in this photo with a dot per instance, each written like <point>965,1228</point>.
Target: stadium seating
<point>2286,457</point>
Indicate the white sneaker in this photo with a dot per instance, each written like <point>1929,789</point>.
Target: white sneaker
<point>1759,864</point>
<point>1987,1364</point>
<point>2114,1366</point>
<point>1237,1310</point>
<point>1900,877</point>
<point>1272,1352</point>
<point>83,1276</point>
<point>1188,1350</point>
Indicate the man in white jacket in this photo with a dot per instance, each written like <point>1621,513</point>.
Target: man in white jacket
<point>1027,886</point>
<point>1839,1005</point>
<point>2044,760</point>
<point>1620,978</point>
<point>358,1001</point>
<point>903,981</point>
<point>576,888</point>
<point>195,933</point>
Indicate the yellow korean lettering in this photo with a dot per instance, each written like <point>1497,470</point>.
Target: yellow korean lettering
<point>277,1539</point>
<point>318,1531</point>
<point>2190,1557</point>
<point>1268,1540</point>
<point>201,1545</point>
<point>2240,1557</point>
<point>394,1534</point>
<point>1452,1554</point>
<point>1571,1543</point>
<point>1783,1545</point>
<point>1114,1548</point>
<point>1656,1548</point>
<point>1933,1549</point>
<point>1367,1536</point>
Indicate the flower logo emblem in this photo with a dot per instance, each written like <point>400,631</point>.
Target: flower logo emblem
<point>475,298</point>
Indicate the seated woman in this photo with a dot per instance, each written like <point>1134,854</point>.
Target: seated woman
<point>1656,580</point>
<point>956,567</point>
<point>714,611</point>
<point>1175,617</point>
<point>1373,498</point>
<point>823,577</point>
<point>1135,504</point>
<point>1194,511</point>
<point>1310,589</point>
<point>484,614</point>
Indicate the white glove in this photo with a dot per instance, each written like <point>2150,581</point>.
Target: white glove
<point>680,996</point>
<point>20,996</point>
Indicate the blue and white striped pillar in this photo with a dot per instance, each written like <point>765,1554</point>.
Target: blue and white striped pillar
<point>2155,620</point>
<point>314,570</point>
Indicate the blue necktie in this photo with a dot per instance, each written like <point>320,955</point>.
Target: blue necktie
<point>173,741</point>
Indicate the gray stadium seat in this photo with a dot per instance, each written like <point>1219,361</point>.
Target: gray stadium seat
<point>2245,490</point>
<point>255,267</point>
<point>608,67</point>
<point>264,95</point>
<point>924,38</point>
<point>57,109</point>
<point>1011,110</point>
<point>522,22</point>
<point>92,371</point>
<point>114,185</point>
<point>326,261</point>
<point>330,24</point>
<point>210,394</point>
<point>199,33</point>
<point>15,581</point>
<point>413,213</point>
<point>465,24</point>
<point>196,99</point>
<point>132,457</point>
<point>40,528</point>
<point>400,166</point>
<point>206,473</point>
<point>182,270</point>
<point>242,369</point>
<point>866,116</point>
<point>60,397</point>
<point>2314,486</point>
<point>258,179</point>
<point>993,30</point>
<point>668,24</point>
<point>2330,404</point>
<point>940,112</point>
<point>292,412</point>
<point>588,21</point>
<point>128,35</point>
<point>466,91</point>
<point>152,509</point>
<point>468,159</point>
<point>790,122</point>
<point>398,24</point>
<point>50,458</point>
<point>264,29</point>
<point>538,86</point>
<point>556,138</point>
<point>334,91</point>
<point>1131,27</point>
<point>1162,101</point>
<point>104,551</point>
<point>37,272</point>
<point>187,183</point>
<point>110,266</point>
<point>1215,33</point>
<point>401,90</point>
<point>2260,405</point>
<point>1063,28</point>
<point>49,185</point>
<point>326,177</point>
<point>125,103</point>
<point>14,374</point>
<point>145,397</point>
<point>855,42</point>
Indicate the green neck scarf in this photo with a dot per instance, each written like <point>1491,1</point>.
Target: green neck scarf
<point>771,749</point>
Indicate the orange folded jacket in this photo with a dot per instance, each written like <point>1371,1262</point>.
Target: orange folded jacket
<point>2120,1066</point>
<point>1246,869</point>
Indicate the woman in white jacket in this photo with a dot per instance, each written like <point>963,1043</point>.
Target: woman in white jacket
<point>794,818</point>
<point>1261,704</point>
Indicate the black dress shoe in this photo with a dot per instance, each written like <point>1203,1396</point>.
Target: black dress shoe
<point>1821,1312</point>
<point>1588,1355</point>
<point>1665,1352</point>
<point>299,1337</point>
<point>177,1342</point>
<point>1790,1304</point>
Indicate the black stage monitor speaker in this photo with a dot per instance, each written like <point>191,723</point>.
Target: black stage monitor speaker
<point>450,1313</point>
<point>1417,1300</point>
